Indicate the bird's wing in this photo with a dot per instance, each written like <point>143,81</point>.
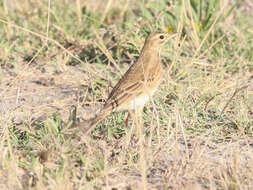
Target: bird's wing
<point>129,86</point>
<point>124,95</point>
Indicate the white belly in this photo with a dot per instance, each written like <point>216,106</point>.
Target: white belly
<point>137,102</point>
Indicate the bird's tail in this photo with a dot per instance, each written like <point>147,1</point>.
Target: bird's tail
<point>88,125</point>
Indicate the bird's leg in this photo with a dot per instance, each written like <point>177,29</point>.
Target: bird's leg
<point>135,115</point>
<point>126,116</point>
<point>143,162</point>
<point>129,132</point>
<point>139,123</point>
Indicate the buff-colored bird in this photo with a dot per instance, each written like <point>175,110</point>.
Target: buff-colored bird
<point>138,84</point>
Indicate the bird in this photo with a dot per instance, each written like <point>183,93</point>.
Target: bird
<point>138,84</point>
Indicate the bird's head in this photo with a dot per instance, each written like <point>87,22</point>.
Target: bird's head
<point>156,39</point>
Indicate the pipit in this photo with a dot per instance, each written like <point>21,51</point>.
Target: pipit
<point>138,84</point>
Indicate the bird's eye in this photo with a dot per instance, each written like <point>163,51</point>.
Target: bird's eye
<point>161,37</point>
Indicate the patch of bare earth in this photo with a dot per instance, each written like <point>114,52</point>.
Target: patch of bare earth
<point>34,91</point>
<point>178,162</point>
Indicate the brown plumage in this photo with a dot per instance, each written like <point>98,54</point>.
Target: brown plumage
<point>138,84</point>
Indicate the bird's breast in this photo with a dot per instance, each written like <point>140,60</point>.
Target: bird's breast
<point>138,101</point>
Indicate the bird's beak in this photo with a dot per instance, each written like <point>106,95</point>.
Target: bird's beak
<point>172,35</point>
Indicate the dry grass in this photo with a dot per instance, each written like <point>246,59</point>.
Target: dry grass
<point>196,132</point>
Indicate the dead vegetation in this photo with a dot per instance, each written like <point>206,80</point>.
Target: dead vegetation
<point>198,128</point>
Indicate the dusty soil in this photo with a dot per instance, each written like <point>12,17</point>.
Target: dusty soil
<point>33,92</point>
